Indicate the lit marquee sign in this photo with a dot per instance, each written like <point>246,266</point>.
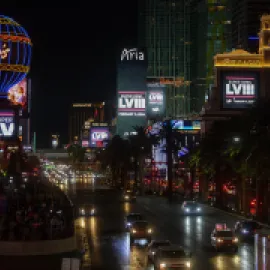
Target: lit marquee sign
<point>99,137</point>
<point>7,123</point>
<point>131,103</point>
<point>132,54</point>
<point>4,51</point>
<point>239,90</point>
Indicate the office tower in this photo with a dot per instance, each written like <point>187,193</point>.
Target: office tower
<point>81,112</point>
<point>164,31</point>
<point>246,16</point>
<point>211,21</point>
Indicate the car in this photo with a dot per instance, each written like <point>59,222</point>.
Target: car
<point>222,237</point>
<point>153,247</point>
<point>191,207</point>
<point>246,229</point>
<point>140,230</point>
<point>87,210</point>
<point>172,257</point>
<point>132,217</point>
<point>129,196</point>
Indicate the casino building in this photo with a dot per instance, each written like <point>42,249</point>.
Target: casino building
<point>240,79</point>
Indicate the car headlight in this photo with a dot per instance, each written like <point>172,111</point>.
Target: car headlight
<point>162,265</point>
<point>126,197</point>
<point>149,230</point>
<point>128,224</point>
<point>235,240</point>
<point>244,231</point>
<point>134,231</point>
<point>188,264</point>
<point>198,209</point>
<point>153,252</point>
<point>219,240</point>
<point>187,209</point>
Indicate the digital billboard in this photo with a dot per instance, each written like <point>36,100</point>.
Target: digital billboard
<point>186,125</point>
<point>99,136</point>
<point>239,89</point>
<point>18,95</point>
<point>131,103</point>
<point>155,100</point>
<point>131,90</point>
<point>7,123</point>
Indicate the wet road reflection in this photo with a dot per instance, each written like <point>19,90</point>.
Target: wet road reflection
<point>109,246</point>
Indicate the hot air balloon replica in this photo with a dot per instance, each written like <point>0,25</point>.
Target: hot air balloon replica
<point>15,57</point>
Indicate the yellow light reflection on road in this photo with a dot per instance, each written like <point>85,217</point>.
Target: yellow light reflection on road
<point>82,222</point>
<point>236,260</point>
<point>127,207</point>
<point>220,263</point>
<point>93,230</point>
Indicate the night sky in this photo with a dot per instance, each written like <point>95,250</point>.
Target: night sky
<point>74,56</point>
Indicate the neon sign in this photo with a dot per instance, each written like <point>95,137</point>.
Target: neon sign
<point>4,51</point>
<point>132,54</point>
<point>7,125</point>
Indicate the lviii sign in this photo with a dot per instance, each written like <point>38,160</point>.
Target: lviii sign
<point>239,91</point>
<point>131,103</point>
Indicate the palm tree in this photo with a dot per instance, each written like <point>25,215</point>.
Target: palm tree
<point>141,147</point>
<point>116,156</point>
<point>76,153</point>
<point>249,156</point>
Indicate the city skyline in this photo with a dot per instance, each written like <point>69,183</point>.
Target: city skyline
<point>65,72</point>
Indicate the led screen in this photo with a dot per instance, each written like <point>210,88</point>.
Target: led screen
<point>99,136</point>
<point>18,95</point>
<point>155,100</point>
<point>239,89</point>
<point>7,123</point>
<point>131,90</point>
<point>186,125</point>
<point>131,103</point>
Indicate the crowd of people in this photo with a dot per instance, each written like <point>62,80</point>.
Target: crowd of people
<point>34,217</point>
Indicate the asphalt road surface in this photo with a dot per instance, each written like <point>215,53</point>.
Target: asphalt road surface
<point>107,246</point>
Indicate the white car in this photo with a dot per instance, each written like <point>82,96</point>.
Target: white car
<point>191,207</point>
<point>153,247</point>
<point>172,257</point>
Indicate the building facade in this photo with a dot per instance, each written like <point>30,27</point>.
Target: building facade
<point>164,31</point>
<point>246,23</point>
<point>80,113</point>
<point>212,34</point>
<point>241,78</point>
<point>182,38</point>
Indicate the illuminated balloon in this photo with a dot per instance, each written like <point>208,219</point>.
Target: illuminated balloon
<point>15,53</point>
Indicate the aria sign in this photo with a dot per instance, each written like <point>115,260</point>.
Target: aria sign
<point>7,125</point>
<point>132,54</point>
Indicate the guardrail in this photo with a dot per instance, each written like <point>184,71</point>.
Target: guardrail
<point>33,248</point>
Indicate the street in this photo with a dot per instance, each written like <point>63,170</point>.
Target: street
<point>107,243</point>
